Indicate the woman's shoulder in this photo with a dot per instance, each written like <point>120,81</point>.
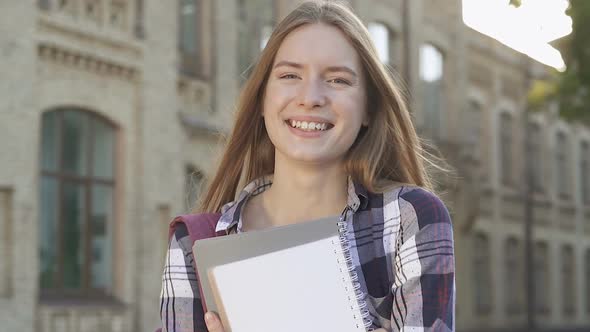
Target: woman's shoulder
<point>417,205</point>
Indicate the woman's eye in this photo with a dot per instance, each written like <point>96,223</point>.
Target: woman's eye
<point>289,76</point>
<point>339,81</point>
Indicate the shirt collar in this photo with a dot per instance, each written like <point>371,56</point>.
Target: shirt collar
<point>231,213</point>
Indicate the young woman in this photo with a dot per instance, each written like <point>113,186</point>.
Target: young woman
<point>321,130</point>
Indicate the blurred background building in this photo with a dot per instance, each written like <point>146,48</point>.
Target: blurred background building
<point>111,113</point>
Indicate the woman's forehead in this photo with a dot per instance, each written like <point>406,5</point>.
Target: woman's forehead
<point>318,44</point>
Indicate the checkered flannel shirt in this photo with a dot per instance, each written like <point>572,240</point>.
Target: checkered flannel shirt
<point>401,245</point>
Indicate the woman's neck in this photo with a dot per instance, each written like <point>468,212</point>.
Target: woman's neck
<point>300,194</point>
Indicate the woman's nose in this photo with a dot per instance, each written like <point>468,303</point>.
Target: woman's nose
<point>311,95</point>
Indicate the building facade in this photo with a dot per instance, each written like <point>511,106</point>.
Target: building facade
<point>113,112</point>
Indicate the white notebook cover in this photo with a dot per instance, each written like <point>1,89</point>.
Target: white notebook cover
<point>292,278</point>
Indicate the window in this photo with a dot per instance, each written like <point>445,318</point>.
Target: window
<point>587,263</point>
<point>535,146</point>
<point>193,18</point>
<point>189,38</point>
<point>138,28</point>
<point>542,284</point>
<point>561,158</point>
<point>431,76</point>
<point>256,23</point>
<point>7,240</point>
<point>584,172</point>
<point>506,147</point>
<point>382,39</point>
<point>482,274</point>
<point>76,203</point>
<point>514,277</point>
<point>472,126</point>
<point>193,186</point>
<point>568,280</point>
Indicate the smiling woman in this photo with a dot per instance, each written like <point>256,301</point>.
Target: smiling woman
<point>322,130</point>
<point>317,84</point>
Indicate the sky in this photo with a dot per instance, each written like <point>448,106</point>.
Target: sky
<point>527,29</point>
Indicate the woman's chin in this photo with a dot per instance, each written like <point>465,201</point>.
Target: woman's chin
<point>310,157</point>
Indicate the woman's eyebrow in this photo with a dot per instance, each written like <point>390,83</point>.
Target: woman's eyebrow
<point>288,64</point>
<point>329,69</point>
<point>342,69</point>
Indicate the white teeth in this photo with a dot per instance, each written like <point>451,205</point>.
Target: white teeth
<point>308,126</point>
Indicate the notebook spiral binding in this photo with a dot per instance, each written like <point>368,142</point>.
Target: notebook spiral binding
<point>359,295</point>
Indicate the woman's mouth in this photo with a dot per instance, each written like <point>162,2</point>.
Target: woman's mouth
<point>309,125</point>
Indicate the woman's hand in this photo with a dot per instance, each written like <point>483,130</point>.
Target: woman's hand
<point>214,323</point>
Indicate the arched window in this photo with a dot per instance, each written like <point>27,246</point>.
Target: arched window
<point>432,78</point>
<point>194,45</point>
<point>542,283</point>
<point>382,39</point>
<point>536,144</point>
<point>585,172</point>
<point>472,124</point>
<point>561,160</point>
<point>568,280</point>
<point>76,203</point>
<point>255,19</point>
<point>506,142</point>
<point>587,263</point>
<point>482,274</point>
<point>514,276</point>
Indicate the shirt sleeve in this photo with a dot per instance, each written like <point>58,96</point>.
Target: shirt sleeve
<point>180,303</point>
<point>424,286</point>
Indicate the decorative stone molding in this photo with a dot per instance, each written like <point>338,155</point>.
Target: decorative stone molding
<point>112,13</point>
<point>86,61</point>
<point>66,318</point>
<point>194,125</point>
<point>194,92</point>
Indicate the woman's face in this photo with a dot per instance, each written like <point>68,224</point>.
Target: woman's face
<point>315,99</point>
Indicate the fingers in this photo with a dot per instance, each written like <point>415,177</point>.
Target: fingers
<point>213,322</point>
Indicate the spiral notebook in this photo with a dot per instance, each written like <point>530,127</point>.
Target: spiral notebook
<point>291,278</point>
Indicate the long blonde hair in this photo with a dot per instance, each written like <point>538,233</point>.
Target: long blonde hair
<point>387,151</point>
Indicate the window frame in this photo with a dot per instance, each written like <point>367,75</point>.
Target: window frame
<point>542,264</point>
<point>88,182</point>
<point>506,140</point>
<point>536,152</point>
<point>433,123</point>
<point>390,40</point>
<point>568,295</point>
<point>195,65</point>
<point>587,267</point>
<point>563,183</point>
<point>584,164</point>
<point>483,284</point>
<point>514,276</point>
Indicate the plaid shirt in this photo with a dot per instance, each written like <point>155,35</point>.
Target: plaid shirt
<point>401,245</point>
